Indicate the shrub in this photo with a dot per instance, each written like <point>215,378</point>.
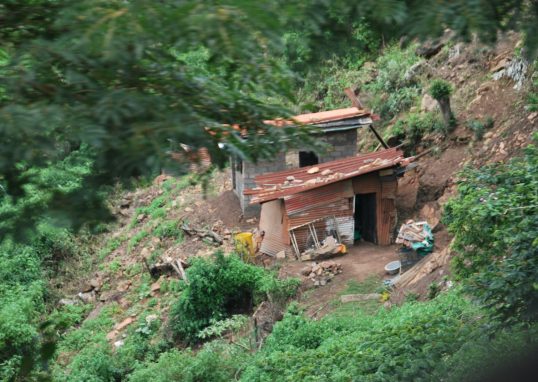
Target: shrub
<point>415,126</point>
<point>220,287</point>
<point>169,228</point>
<point>478,127</point>
<point>402,344</point>
<point>440,89</point>
<point>215,362</point>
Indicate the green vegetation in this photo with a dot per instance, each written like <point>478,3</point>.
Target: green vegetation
<point>479,128</point>
<point>441,90</point>
<point>414,126</point>
<point>221,287</point>
<point>97,93</point>
<point>494,220</point>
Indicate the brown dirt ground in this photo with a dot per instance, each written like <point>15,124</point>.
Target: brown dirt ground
<point>361,261</point>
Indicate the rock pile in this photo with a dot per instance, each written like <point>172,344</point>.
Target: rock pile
<point>322,273</point>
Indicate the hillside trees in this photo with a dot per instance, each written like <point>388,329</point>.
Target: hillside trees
<point>117,76</point>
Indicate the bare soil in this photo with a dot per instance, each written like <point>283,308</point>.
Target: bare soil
<point>361,262</point>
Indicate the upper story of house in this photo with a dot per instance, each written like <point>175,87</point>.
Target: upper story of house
<point>337,128</point>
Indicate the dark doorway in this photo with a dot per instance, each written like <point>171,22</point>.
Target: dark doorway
<point>307,158</point>
<point>365,217</point>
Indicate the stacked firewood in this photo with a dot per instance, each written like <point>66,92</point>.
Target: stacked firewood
<point>322,273</point>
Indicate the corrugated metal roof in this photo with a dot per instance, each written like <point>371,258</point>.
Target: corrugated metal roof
<point>321,117</point>
<point>277,185</point>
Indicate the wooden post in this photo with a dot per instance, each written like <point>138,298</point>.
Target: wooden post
<point>355,101</point>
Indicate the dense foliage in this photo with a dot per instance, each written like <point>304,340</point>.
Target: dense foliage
<point>495,223</point>
<point>220,287</point>
<point>406,343</point>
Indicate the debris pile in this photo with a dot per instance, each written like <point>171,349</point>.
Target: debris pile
<point>416,236</point>
<point>322,273</point>
<point>329,248</point>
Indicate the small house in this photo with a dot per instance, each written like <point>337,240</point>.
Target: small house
<point>338,129</point>
<point>347,198</point>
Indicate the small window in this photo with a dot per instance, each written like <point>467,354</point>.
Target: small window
<point>307,158</point>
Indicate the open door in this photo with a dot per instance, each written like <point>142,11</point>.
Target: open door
<point>365,217</point>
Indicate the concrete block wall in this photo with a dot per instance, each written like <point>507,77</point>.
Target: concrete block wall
<point>343,144</point>
<point>246,180</point>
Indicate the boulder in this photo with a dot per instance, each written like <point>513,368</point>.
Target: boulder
<point>429,48</point>
<point>428,104</point>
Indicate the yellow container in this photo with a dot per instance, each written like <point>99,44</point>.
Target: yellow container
<point>244,245</point>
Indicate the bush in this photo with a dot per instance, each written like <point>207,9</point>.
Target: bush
<point>479,128</point>
<point>392,92</point>
<point>494,220</point>
<point>402,344</point>
<point>215,362</point>
<point>220,287</point>
<point>415,126</point>
<point>440,89</point>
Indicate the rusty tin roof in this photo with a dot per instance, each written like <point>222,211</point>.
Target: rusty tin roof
<point>282,184</point>
<point>321,117</point>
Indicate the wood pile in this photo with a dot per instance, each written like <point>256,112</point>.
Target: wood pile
<point>322,273</point>
<point>411,232</point>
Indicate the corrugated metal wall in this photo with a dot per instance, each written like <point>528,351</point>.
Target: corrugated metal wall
<point>337,200</point>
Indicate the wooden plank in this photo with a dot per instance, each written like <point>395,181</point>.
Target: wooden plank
<point>359,297</point>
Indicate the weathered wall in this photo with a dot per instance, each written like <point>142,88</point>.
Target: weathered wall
<point>245,180</point>
<point>343,144</point>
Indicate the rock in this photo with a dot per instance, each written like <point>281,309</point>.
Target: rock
<point>429,49</point>
<point>326,172</point>
<point>281,255</point>
<point>532,116</point>
<point>67,301</point>
<point>502,64</point>
<point>155,287</point>
<point>313,170</point>
<point>428,104</point>
<point>431,213</point>
<point>305,271</point>
<point>475,101</point>
<point>145,252</point>
<point>87,298</point>
<point>411,75</point>
<point>96,283</point>
<point>118,344</point>
<point>122,325</point>
<point>124,286</point>
<point>188,209</point>
<point>489,134</point>
<point>290,178</point>
<point>485,87</point>
<point>150,318</point>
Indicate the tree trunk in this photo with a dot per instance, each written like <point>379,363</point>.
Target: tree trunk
<point>448,117</point>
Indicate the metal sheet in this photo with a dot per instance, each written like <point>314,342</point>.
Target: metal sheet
<point>277,185</point>
<point>343,207</point>
<point>320,196</point>
<point>346,228</point>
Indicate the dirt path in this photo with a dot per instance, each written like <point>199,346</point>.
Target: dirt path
<point>362,261</point>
